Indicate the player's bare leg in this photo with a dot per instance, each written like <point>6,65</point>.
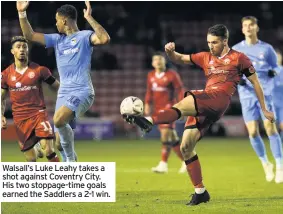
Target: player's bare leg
<point>48,148</point>
<point>176,146</point>
<point>189,141</point>
<point>30,155</point>
<point>38,150</point>
<point>276,148</point>
<point>61,120</point>
<point>186,107</point>
<point>259,147</point>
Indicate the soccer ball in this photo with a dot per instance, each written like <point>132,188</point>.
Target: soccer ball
<point>132,106</point>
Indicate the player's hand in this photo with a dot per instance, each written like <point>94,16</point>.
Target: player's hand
<point>170,47</point>
<point>269,115</point>
<point>3,122</point>
<point>272,73</point>
<point>22,5</point>
<point>88,10</point>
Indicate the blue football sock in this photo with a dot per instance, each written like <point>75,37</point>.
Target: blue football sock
<point>63,156</point>
<point>276,148</point>
<point>259,147</point>
<point>67,141</point>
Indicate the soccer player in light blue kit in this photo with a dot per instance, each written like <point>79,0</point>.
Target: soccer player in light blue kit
<point>264,60</point>
<point>278,94</point>
<point>73,49</point>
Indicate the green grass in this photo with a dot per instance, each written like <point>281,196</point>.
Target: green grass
<point>232,174</point>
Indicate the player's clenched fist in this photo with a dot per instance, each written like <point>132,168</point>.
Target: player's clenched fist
<point>170,47</point>
<point>3,123</point>
<point>22,5</point>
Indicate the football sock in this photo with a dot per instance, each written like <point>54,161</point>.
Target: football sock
<point>52,157</point>
<point>165,151</point>
<point>259,147</point>
<point>177,149</point>
<point>167,116</point>
<point>281,135</point>
<point>194,171</point>
<point>276,148</point>
<point>67,141</point>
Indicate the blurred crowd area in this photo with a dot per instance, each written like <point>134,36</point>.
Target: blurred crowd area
<point>138,29</point>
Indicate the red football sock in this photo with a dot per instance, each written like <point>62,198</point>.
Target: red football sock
<point>194,171</point>
<point>53,157</point>
<point>166,116</point>
<point>177,150</point>
<point>165,151</point>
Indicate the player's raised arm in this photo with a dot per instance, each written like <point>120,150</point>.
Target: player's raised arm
<point>175,56</point>
<point>100,37</point>
<point>3,106</point>
<point>28,32</point>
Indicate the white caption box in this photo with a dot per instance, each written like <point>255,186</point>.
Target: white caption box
<point>58,182</point>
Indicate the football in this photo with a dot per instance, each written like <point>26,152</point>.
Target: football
<point>131,106</point>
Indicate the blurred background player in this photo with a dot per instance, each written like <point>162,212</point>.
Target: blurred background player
<point>163,86</point>
<point>264,60</point>
<point>223,68</point>
<point>73,56</point>
<point>23,80</point>
<point>278,93</point>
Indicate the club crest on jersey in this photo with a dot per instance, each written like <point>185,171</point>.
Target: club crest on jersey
<point>73,41</point>
<point>13,78</point>
<point>18,84</point>
<point>261,55</point>
<point>227,61</point>
<point>31,74</point>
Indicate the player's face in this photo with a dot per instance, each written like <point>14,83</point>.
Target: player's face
<point>216,44</point>
<point>279,58</point>
<point>20,50</point>
<point>249,28</point>
<point>158,62</point>
<point>60,23</point>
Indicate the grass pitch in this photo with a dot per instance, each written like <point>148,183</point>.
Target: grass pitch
<point>232,174</point>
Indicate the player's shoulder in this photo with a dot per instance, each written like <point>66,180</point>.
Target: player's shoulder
<point>238,45</point>
<point>85,32</point>
<point>10,68</point>
<point>266,44</point>
<point>204,53</point>
<point>36,67</point>
<point>171,72</point>
<point>236,53</point>
<point>151,73</point>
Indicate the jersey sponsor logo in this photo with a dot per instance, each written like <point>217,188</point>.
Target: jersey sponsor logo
<point>24,88</point>
<point>71,51</point>
<point>31,74</point>
<point>217,72</point>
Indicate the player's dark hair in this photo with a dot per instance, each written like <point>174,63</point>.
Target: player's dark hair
<point>219,30</point>
<point>68,11</point>
<point>158,53</point>
<point>18,39</point>
<point>251,18</point>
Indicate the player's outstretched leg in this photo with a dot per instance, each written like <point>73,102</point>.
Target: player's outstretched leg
<point>30,155</point>
<point>38,150</point>
<point>59,148</point>
<point>189,140</point>
<point>176,146</point>
<point>61,118</point>
<point>259,148</point>
<point>276,148</point>
<point>186,107</point>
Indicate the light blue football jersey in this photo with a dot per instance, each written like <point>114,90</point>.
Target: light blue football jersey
<point>73,57</point>
<point>264,58</point>
<point>278,89</point>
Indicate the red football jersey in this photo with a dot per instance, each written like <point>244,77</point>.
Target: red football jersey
<point>223,73</point>
<point>163,88</point>
<point>25,89</point>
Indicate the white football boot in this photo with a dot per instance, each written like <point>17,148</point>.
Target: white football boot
<point>279,175</point>
<point>183,168</point>
<point>162,167</point>
<point>268,169</point>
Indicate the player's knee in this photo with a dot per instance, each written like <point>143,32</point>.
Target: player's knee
<point>31,157</point>
<point>270,128</point>
<point>58,121</point>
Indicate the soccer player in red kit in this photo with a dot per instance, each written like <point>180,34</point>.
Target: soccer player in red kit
<point>163,85</point>
<point>23,80</point>
<point>223,68</point>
